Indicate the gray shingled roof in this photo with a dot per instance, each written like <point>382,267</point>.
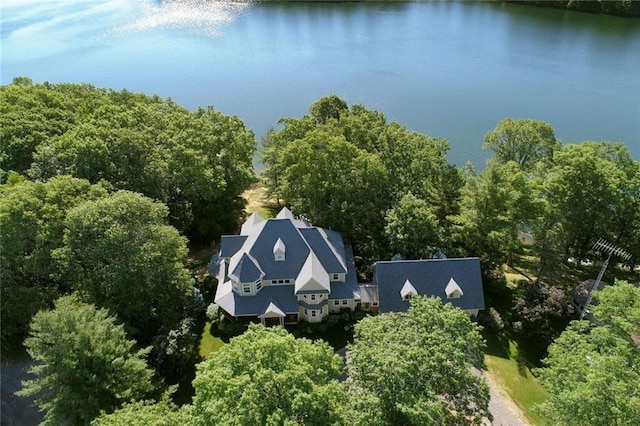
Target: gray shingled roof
<point>246,271</point>
<point>214,265</point>
<point>429,277</point>
<point>341,290</point>
<point>325,255</point>
<point>296,253</point>
<point>230,244</point>
<point>255,305</point>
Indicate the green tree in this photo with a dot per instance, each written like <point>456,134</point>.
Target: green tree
<point>327,108</point>
<point>593,376</point>
<point>337,185</point>
<point>195,162</point>
<point>590,191</point>
<point>524,141</point>
<point>619,307</point>
<point>120,254</point>
<point>267,377</point>
<point>412,228</point>
<point>416,366</point>
<point>146,413</point>
<point>592,372</point>
<point>540,315</point>
<point>85,363</point>
<point>494,205</point>
<point>345,167</point>
<point>32,219</point>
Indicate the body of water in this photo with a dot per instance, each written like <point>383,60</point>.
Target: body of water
<point>451,69</point>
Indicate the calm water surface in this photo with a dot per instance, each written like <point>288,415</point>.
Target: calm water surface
<point>450,69</point>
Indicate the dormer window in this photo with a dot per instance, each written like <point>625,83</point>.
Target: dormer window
<point>278,251</point>
<point>453,290</point>
<point>408,290</point>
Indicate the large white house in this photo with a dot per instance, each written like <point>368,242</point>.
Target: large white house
<point>283,270</point>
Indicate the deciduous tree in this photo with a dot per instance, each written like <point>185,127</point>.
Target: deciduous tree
<point>415,366</point>
<point>541,314</point>
<point>32,219</point>
<point>592,372</point>
<point>524,141</point>
<point>412,228</point>
<point>146,413</point>
<point>494,205</point>
<point>268,377</point>
<point>84,363</point>
<point>120,254</point>
<point>589,190</point>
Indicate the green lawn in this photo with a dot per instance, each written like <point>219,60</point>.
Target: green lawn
<point>515,378</point>
<point>209,343</point>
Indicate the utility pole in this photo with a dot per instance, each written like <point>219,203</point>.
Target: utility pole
<point>605,247</point>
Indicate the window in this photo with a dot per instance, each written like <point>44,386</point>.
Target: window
<point>336,277</point>
<point>374,304</point>
<point>344,302</point>
<point>336,302</point>
<point>246,288</point>
<point>258,285</point>
<point>313,313</point>
<point>313,297</point>
<point>287,281</point>
<point>305,297</point>
<point>280,281</point>
<point>305,312</point>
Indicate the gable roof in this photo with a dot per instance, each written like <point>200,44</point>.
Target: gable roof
<point>279,247</point>
<point>429,277</point>
<point>408,290</point>
<point>453,287</point>
<point>272,311</point>
<point>312,276</point>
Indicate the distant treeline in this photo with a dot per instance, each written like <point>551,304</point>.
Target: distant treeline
<point>627,8</point>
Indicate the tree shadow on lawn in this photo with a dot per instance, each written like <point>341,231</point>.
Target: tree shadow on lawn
<point>226,329</point>
<point>499,296</point>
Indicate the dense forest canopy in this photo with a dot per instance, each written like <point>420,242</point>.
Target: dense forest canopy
<point>197,163</point>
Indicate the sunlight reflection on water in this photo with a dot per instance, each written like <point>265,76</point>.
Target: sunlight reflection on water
<point>200,16</point>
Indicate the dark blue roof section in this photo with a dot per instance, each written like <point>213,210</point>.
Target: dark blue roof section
<point>324,253</point>
<point>429,277</point>
<point>281,295</point>
<point>214,265</point>
<point>230,244</point>
<point>346,289</point>
<point>296,249</point>
<point>352,275</point>
<point>340,290</point>
<point>246,271</point>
